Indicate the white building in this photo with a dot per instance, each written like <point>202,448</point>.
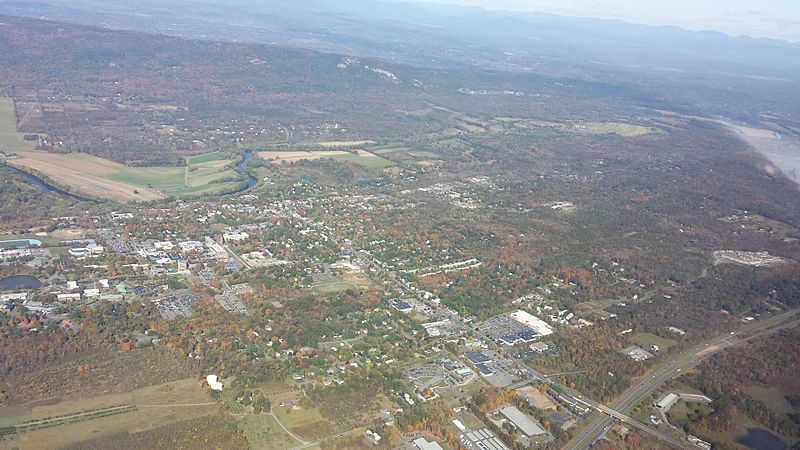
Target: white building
<point>536,324</point>
<point>214,383</point>
<point>235,237</point>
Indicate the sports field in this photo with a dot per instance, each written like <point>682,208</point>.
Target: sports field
<point>103,178</point>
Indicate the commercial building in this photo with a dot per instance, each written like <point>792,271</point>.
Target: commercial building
<point>521,421</point>
<point>536,324</point>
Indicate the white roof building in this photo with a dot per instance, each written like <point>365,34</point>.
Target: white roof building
<point>522,421</point>
<point>214,383</point>
<point>423,444</point>
<point>534,323</point>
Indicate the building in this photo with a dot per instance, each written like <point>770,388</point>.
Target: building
<point>214,383</point>
<point>521,421</point>
<point>402,305</point>
<point>423,444</point>
<point>235,237</point>
<point>539,347</point>
<point>539,326</point>
<point>477,357</point>
<point>163,245</point>
<point>12,297</point>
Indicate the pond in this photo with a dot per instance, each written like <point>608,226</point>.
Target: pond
<point>19,282</point>
<point>761,439</point>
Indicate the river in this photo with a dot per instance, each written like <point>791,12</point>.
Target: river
<point>251,180</point>
<point>43,185</point>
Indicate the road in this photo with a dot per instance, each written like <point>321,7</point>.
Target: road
<point>636,393</point>
<point>673,368</point>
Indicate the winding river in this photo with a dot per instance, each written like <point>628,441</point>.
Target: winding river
<point>43,185</point>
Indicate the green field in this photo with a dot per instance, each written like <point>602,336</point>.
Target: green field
<point>370,162</point>
<point>647,340</point>
<point>618,128</point>
<point>10,139</point>
<point>343,283</point>
<point>264,432</point>
<point>204,158</point>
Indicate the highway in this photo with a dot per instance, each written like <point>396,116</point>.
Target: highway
<point>626,402</point>
<point>673,368</point>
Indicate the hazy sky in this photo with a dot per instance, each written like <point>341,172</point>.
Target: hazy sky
<point>769,18</point>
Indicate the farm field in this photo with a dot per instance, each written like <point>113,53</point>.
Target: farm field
<point>618,128</point>
<point>155,406</point>
<point>293,156</point>
<point>344,143</point>
<point>107,179</point>
<point>10,139</point>
<point>362,158</point>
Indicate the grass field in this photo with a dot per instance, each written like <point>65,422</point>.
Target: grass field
<point>472,422</point>
<point>619,128</point>
<point>156,406</point>
<point>264,432</point>
<point>204,158</point>
<point>343,283</point>
<point>362,158</point>
<point>305,422</point>
<point>343,143</point>
<point>647,340</point>
<point>108,179</point>
<point>10,139</point>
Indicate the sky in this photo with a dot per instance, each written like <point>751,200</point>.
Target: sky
<point>758,18</point>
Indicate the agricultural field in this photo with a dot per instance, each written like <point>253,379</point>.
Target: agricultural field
<point>10,139</point>
<point>344,143</point>
<point>107,179</point>
<point>618,128</point>
<point>362,157</point>
<point>56,422</point>
<point>647,340</point>
<point>294,156</point>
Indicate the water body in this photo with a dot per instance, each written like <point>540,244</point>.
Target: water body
<point>19,282</point>
<point>43,185</point>
<point>251,180</point>
<point>761,439</point>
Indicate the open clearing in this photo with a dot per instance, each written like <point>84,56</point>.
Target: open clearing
<point>362,157</point>
<point>10,139</point>
<point>342,283</point>
<point>756,132</point>
<point>107,179</point>
<point>264,432</point>
<point>537,398</point>
<point>287,157</point>
<point>344,143</point>
<point>619,128</point>
<point>647,340</point>
<point>156,406</point>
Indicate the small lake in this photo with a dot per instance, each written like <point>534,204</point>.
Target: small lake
<point>19,282</point>
<point>761,439</point>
